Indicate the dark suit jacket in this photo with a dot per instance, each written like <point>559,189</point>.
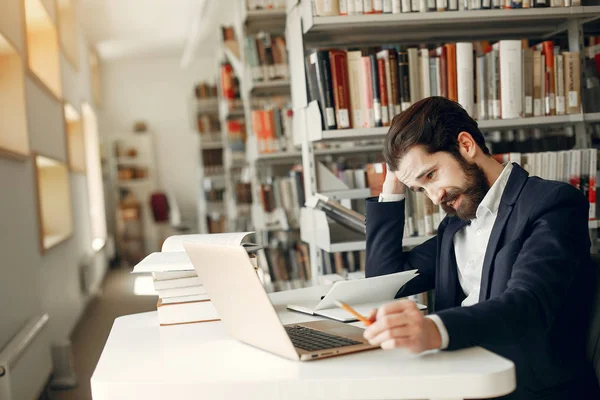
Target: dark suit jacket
<point>535,286</point>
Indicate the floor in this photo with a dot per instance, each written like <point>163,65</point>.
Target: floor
<point>116,299</point>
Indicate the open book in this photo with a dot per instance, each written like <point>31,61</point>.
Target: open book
<point>337,212</point>
<point>362,294</point>
<point>174,258</point>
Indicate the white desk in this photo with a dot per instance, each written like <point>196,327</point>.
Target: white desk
<point>199,361</point>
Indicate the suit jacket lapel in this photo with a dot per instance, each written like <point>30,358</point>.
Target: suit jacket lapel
<point>516,181</point>
<point>447,276</point>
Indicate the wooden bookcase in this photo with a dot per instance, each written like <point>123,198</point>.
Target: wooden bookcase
<point>42,47</point>
<point>54,202</point>
<point>75,139</point>
<point>67,29</point>
<point>14,140</point>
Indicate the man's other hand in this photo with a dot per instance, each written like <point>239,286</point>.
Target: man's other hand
<point>402,325</point>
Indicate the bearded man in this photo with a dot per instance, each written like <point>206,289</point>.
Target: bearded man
<point>510,264</point>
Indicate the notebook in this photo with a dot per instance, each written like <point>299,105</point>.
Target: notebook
<point>362,294</point>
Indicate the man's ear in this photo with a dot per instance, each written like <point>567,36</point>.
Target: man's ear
<point>467,145</point>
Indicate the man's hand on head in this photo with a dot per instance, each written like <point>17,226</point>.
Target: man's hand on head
<point>401,324</point>
<point>392,185</point>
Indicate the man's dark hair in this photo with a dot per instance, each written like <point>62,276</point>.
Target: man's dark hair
<point>435,123</point>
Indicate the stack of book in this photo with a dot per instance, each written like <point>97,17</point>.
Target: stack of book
<point>507,79</point>
<point>212,159</point>
<point>286,193</point>
<point>181,297</point>
<point>360,7</point>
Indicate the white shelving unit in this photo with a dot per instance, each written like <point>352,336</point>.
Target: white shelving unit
<point>147,232</point>
<point>305,31</point>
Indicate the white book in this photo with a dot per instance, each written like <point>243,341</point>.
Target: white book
<point>396,7</point>
<point>425,80</point>
<point>575,172</point>
<point>553,160</point>
<point>163,276</point>
<point>406,6</point>
<point>175,243</point>
<point>184,313</point>
<point>560,166</point>
<point>464,76</point>
<point>182,291</point>
<point>511,85</point>
<point>355,81</point>
<point>185,299</point>
<point>177,283</point>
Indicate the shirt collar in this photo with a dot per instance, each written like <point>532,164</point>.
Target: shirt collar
<point>491,201</point>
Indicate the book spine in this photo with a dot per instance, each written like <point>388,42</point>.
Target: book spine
<point>339,74</point>
<point>527,82</point>
<point>572,82</point>
<point>381,76</point>
<point>313,85</point>
<point>465,77</point>
<point>549,100</point>
<point>403,80</point>
<point>355,81</point>
<point>413,70</point>
<point>326,7</point>
<point>394,84</point>
<point>510,78</point>
<point>537,83</point>
<point>482,103</point>
<point>396,7</point>
<point>561,105</point>
<point>324,85</point>
<point>406,6</point>
<point>377,109</point>
<point>592,183</point>
<point>441,5</point>
<point>367,91</point>
<point>451,71</point>
<point>425,80</point>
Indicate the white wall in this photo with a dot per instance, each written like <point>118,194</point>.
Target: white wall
<point>31,283</point>
<point>157,91</point>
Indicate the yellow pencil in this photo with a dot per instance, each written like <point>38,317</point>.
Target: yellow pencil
<point>353,312</point>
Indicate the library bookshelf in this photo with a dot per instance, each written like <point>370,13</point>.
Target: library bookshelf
<point>306,31</point>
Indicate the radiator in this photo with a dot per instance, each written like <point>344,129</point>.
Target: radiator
<point>25,362</point>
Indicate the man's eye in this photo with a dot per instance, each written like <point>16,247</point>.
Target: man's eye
<point>421,190</point>
<point>430,175</point>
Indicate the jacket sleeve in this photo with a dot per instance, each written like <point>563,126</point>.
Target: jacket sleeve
<point>553,257</point>
<point>385,230</point>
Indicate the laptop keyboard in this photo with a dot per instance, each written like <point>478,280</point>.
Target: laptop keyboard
<point>311,339</point>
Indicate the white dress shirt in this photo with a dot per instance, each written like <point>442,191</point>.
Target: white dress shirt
<point>470,244</point>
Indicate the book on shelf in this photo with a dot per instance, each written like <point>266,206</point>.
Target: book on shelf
<point>205,91</point>
<point>267,57</point>
<point>329,8</point>
<point>285,193</point>
<point>503,80</point>
<point>287,261</point>
<point>576,167</point>
<point>272,125</point>
<point>340,214</point>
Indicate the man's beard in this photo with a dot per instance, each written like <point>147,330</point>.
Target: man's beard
<point>475,188</point>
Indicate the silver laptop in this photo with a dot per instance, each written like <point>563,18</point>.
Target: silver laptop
<point>248,315</point>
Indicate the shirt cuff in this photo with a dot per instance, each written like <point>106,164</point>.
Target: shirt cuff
<point>442,328</point>
<point>384,198</point>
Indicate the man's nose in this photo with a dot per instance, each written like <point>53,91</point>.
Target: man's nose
<point>436,195</point>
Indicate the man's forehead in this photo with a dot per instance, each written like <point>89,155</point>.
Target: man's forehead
<point>412,163</point>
